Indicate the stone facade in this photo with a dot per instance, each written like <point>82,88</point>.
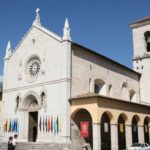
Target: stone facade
<point>53,81</point>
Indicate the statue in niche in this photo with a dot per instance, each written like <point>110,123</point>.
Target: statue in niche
<point>43,99</point>
<point>17,103</point>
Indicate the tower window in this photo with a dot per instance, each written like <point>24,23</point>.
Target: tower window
<point>147,40</point>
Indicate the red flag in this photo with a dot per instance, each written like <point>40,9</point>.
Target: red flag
<point>84,129</point>
<point>52,124</point>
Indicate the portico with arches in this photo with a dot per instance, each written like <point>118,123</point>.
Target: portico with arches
<point>114,124</point>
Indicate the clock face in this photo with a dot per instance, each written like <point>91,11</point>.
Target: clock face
<point>33,69</point>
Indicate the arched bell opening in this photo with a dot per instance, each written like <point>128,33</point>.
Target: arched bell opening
<point>146,130</point>
<point>147,40</point>
<point>135,121</point>
<point>121,132</point>
<point>81,128</point>
<point>105,132</point>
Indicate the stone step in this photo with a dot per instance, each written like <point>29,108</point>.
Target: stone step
<point>42,146</point>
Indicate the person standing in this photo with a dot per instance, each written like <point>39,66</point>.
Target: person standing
<point>15,140</point>
<point>10,144</point>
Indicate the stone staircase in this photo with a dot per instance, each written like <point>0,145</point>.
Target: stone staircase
<point>42,146</point>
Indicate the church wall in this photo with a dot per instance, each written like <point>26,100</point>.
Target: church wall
<point>88,66</point>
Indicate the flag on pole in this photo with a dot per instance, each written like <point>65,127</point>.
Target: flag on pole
<point>8,125</point>
<point>14,128</point>
<point>9,129</point>
<point>51,123</point>
<point>57,121</point>
<point>5,126</point>
<point>12,125</point>
<point>46,123</point>
<point>43,124</point>
<point>17,126</point>
<point>55,126</point>
<point>60,124</point>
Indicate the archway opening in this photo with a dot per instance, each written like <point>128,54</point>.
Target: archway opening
<point>31,105</point>
<point>124,91</point>
<point>82,119</point>
<point>99,87</point>
<point>121,132</point>
<point>146,130</point>
<point>105,132</point>
<point>135,138</point>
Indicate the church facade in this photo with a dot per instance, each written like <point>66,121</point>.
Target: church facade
<point>55,90</point>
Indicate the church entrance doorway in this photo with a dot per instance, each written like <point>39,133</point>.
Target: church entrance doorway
<point>33,126</point>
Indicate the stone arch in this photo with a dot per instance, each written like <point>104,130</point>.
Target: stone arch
<point>124,91</point>
<point>122,118</point>
<point>106,130</point>
<point>147,40</point>
<point>135,122</point>
<point>110,115</point>
<point>146,129</point>
<point>31,101</point>
<point>99,86</point>
<point>76,110</point>
<point>32,56</point>
<point>81,116</point>
<point>132,95</point>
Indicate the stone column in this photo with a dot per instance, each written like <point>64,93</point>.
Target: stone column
<point>141,134</point>
<point>96,136</point>
<point>128,135</point>
<point>114,137</point>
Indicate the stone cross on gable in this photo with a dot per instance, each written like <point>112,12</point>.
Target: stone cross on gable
<point>37,18</point>
<point>37,11</point>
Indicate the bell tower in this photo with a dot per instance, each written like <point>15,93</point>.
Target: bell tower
<point>141,56</point>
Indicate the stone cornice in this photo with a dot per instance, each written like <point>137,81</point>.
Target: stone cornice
<point>37,85</point>
<point>142,57</point>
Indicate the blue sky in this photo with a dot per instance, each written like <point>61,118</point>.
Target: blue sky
<point>102,25</point>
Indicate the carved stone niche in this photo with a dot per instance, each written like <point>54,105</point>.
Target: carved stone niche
<point>18,100</point>
<point>43,100</point>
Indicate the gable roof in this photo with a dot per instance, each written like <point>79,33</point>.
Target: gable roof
<point>140,22</point>
<point>112,61</point>
<point>42,29</point>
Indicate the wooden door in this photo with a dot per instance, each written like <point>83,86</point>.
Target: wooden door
<point>33,126</point>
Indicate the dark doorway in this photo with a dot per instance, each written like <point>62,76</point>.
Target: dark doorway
<point>121,133</point>
<point>105,132</point>
<point>135,138</point>
<point>146,130</point>
<point>33,126</point>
